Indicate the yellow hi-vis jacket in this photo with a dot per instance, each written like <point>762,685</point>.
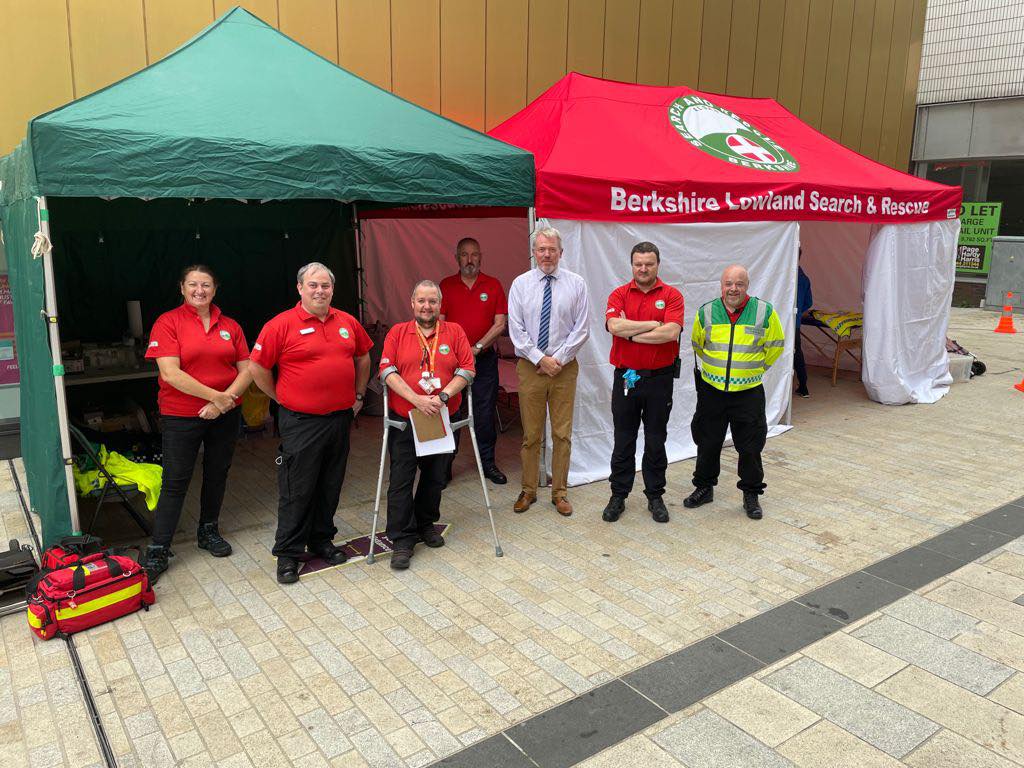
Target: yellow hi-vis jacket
<point>735,356</point>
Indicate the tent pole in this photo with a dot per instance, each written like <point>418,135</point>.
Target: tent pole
<point>58,366</point>
<point>360,276</point>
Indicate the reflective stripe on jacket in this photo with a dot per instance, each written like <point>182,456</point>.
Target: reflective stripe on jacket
<point>735,356</point>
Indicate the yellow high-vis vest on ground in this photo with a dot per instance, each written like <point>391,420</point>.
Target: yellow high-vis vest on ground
<point>735,356</point>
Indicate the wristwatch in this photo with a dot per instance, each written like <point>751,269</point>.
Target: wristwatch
<point>443,397</point>
<point>479,347</point>
<point>359,396</point>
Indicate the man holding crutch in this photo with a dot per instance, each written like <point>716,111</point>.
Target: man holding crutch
<point>426,363</point>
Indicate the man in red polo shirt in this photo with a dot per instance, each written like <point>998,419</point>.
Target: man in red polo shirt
<point>425,363</point>
<point>477,302</point>
<point>645,318</point>
<point>322,357</point>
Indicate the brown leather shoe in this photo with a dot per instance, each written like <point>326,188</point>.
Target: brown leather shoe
<point>563,506</point>
<point>524,502</point>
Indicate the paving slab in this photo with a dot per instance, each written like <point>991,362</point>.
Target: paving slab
<point>781,631</point>
<point>967,543</point>
<point>891,727</point>
<point>853,597</point>
<point>706,740</point>
<point>582,727</point>
<point>914,567</point>
<point>687,676</point>
<point>939,656</point>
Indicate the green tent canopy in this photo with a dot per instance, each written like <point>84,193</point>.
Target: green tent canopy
<point>241,111</point>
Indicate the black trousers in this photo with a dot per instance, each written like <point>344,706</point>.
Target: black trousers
<point>485,398</point>
<point>181,438</point>
<point>716,412</point>
<point>648,403</point>
<point>798,361</point>
<point>408,513</point>
<point>314,454</point>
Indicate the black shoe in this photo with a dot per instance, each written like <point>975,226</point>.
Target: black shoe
<point>287,570</point>
<point>400,559</point>
<point>657,508</point>
<point>156,560</point>
<point>614,509</point>
<point>209,538</point>
<point>752,506</point>
<point>699,496</point>
<point>329,553</point>
<point>802,391</point>
<point>432,538</point>
<point>495,475</point>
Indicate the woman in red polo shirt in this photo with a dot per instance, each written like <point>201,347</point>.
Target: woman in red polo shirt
<point>203,362</point>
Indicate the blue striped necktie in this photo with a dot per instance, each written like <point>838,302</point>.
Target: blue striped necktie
<point>545,315</point>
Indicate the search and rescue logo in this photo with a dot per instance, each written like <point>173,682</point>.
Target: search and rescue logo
<point>483,297</point>
<point>343,332</point>
<point>720,133</point>
<point>444,349</point>
<point>225,335</point>
<point>659,304</point>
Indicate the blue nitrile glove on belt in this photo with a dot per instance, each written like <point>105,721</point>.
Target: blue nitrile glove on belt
<point>630,378</point>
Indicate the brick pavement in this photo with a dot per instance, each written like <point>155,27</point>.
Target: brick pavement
<point>362,665</point>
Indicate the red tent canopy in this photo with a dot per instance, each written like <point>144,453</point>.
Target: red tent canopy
<point>611,151</point>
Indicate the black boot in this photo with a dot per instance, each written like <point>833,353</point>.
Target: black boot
<point>287,570</point>
<point>657,508</point>
<point>752,505</point>
<point>699,496</point>
<point>209,538</point>
<point>614,509</point>
<point>156,560</point>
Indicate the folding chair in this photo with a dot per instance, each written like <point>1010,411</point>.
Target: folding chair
<point>456,425</point>
<point>125,492</point>
<point>841,343</point>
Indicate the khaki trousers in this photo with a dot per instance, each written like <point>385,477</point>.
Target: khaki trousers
<point>539,394</point>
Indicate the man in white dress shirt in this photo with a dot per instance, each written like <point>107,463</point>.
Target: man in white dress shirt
<point>548,312</point>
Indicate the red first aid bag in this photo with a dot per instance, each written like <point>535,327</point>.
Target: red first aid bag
<point>96,589</point>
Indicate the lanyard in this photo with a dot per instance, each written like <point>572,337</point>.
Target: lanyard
<point>429,352</point>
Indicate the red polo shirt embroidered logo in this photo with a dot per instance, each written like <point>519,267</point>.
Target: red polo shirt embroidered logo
<point>314,358</point>
<point>663,303</point>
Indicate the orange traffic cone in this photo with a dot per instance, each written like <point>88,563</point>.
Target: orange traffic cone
<point>1006,321</point>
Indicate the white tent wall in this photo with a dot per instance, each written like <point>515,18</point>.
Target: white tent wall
<point>398,253</point>
<point>833,258</point>
<point>692,259</point>
<point>908,288</point>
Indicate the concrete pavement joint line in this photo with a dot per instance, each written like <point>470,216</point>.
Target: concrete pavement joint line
<point>962,536</point>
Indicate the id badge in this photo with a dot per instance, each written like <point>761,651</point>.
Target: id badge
<point>435,383</point>
<point>427,385</point>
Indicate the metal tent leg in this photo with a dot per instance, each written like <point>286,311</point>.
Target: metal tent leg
<point>42,248</point>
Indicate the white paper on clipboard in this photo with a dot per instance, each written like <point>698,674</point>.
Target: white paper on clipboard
<point>444,444</point>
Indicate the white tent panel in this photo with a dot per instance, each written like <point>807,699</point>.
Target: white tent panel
<point>833,259</point>
<point>692,259</point>
<point>908,288</point>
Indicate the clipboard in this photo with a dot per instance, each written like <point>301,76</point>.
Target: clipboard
<point>432,435</point>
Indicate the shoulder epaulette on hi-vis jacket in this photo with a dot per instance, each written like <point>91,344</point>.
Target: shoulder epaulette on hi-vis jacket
<point>735,356</point>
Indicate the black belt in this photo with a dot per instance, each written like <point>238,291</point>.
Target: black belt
<point>648,373</point>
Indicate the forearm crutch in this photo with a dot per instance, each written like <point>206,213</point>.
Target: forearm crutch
<point>388,424</point>
<point>468,421</point>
